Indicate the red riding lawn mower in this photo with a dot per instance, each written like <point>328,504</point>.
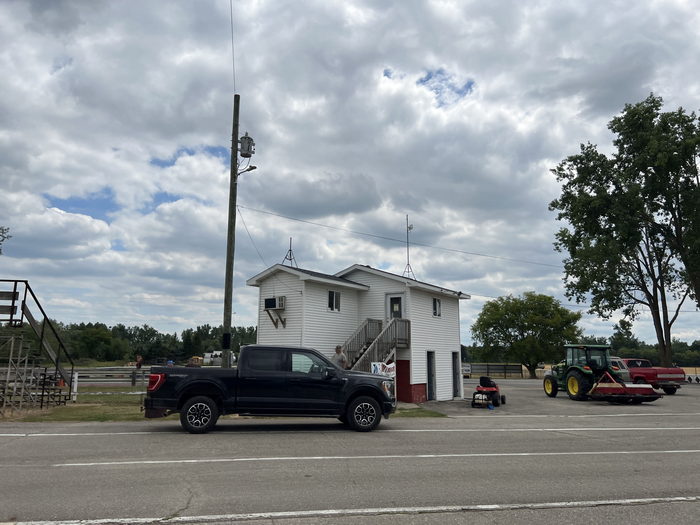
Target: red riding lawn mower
<point>487,393</point>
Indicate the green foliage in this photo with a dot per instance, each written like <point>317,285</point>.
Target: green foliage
<point>527,330</point>
<point>633,220</point>
<point>98,342</point>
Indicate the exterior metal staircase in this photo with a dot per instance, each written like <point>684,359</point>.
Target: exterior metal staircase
<point>358,342</point>
<point>396,335</point>
<point>27,373</point>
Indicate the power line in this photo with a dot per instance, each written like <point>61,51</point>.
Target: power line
<point>233,49</point>
<point>375,236</point>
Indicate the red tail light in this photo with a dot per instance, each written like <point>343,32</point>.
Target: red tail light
<point>155,381</point>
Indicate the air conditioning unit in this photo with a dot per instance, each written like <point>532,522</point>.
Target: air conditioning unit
<point>274,303</point>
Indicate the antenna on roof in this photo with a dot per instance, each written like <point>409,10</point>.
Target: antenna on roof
<point>408,271</point>
<point>290,256</point>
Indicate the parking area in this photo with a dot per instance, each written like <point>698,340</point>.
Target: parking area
<point>527,397</point>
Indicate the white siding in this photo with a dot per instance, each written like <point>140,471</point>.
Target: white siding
<point>372,304</point>
<point>435,334</point>
<point>323,328</point>
<point>278,284</point>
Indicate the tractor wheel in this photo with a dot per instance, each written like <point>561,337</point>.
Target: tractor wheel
<point>577,385</point>
<point>670,390</point>
<point>496,400</point>
<point>503,399</point>
<point>551,387</point>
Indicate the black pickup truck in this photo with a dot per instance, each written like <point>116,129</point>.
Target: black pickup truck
<point>270,381</point>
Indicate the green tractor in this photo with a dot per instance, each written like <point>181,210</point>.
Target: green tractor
<point>587,373</point>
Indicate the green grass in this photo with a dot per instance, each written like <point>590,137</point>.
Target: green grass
<point>90,407</point>
<point>98,403</point>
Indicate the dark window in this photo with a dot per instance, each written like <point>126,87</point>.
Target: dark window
<point>266,360</point>
<point>334,300</point>
<point>437,308</point>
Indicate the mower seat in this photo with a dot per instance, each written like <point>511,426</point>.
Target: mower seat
<point>486,381</point>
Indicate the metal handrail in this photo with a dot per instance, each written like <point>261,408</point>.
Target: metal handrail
<point>363,336</point>
<point>397,332</point>
<point>39,328</point>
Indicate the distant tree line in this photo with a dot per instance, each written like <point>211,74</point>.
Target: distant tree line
<point>99,342</point>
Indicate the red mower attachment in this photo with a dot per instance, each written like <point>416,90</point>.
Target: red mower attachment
<point>607,389</point>
<point>487,393</point>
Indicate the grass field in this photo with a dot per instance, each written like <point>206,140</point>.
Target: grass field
<point>123,403</point>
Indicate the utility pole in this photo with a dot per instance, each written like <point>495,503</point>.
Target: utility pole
<point>230,239</point>
<point>408,271</point>
<point>247,149</point>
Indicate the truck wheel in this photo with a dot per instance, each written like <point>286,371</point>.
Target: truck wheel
<point>364,414</point>
<point>199,415</point>
<point>639,381</point>
<point>551,387</point>
<point>577,385</point>
<point>670,390</point>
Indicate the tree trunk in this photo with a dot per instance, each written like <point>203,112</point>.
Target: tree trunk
<point>532,370</point>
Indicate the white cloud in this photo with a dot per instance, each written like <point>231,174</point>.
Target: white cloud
<point>450,112</point>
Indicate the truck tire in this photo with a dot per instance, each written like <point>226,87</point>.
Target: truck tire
<point>670,390</point>
<point>551,386</point>
<point>199,415</point>
<point>577,385</point>
<point>364,414</point>
<point>639,381</point>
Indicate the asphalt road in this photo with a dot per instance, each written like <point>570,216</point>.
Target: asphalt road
<point>535,458</point>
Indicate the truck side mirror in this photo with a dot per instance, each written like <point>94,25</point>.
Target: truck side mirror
<point>330,372</point>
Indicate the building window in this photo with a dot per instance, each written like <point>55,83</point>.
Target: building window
<point>437,308</point>
<point>334,301</point>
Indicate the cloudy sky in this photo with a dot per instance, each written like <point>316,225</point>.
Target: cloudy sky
<point>115,124</point>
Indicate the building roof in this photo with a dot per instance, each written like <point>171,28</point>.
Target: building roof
<point>406,280</point>
<point>305,275</point>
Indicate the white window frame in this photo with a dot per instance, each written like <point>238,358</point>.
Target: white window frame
<point>437,307</point>
<point>335,306</point>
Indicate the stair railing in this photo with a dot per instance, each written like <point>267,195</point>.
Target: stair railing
<point>361,339</point>
<point>397,334</point>
<point>49,340</point>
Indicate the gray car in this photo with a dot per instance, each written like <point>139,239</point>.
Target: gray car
<point>622,369</point>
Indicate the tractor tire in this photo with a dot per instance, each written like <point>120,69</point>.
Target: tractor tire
<point>670,390</point>
<point>551,387</point>
<point>503,399</point>
<point>577,385</point>
<point>496,400</point>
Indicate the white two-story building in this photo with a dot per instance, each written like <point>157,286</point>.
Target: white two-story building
<point>376,316</point>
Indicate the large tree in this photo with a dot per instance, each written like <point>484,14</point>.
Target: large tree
<point>632,218</point>
<point>527,330</point>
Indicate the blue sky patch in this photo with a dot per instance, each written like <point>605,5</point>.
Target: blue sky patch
<point>97,205</point>
<point>160,197</point>
<point>118,245</point>
<point>447,91</point>
<point>215,151</point>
